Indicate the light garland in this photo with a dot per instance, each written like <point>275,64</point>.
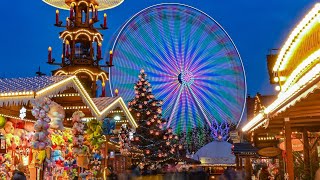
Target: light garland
<point>75,107</point>
<point>54,85</point>
<point>65,95</point>
<point>103,4</point>
<point>298,33</point>
<point>18,118</point>
<point>314,57</point>
<point>103,75</point>
<point>97,35</point>
<point>285,96</point>
<point>23,93</point>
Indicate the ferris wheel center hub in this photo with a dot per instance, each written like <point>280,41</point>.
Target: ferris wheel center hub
<point>186,78</point>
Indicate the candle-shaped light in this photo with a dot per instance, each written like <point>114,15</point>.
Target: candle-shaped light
<point>99,50</point>
<point>116,92</point>
<point>105,20</point>
<point>103,89</point>
<point>67,22</point>
<point>67,48</point>
<point>96,12</point>
<point>71,11</point>
<point>111,58</point>
<point>49,54</point>
<point>57,16</point>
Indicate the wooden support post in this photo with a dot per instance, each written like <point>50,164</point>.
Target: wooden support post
<point>240,163</point>
<point>289,167</point>
<point>248,168</point>
<point>237,162</point>
<point>306,151</point>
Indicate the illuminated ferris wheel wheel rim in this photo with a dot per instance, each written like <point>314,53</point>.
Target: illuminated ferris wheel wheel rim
<point>191,79</point>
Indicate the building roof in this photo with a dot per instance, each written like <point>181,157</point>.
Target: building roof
<point>103,102</point>
<point>23,90</point>
<point>215,153</point>
<point>29,84</point>
<point>244,149</point>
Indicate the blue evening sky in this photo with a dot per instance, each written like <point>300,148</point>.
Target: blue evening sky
<point>254,25</point>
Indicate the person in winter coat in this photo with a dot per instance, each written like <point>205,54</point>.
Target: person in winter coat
<point>18,174</point>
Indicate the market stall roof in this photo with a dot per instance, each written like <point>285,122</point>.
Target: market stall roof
<point>103,4</point>
<point>216,153</point>
<point>244,149</point>
<point>298,74</point>
<point>20,91</point>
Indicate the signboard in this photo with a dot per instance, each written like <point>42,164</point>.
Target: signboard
<point>234,136</point>
<point>296,145</point>
<point>269,152</point>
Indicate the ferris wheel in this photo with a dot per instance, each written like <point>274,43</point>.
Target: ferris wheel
<point>191,62</point>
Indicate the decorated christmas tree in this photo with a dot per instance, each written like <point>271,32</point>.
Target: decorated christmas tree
<point>158,143</point>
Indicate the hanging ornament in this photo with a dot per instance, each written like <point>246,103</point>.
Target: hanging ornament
<point>145,102</point>
<point>161,102</point>
<point>140,83</point>
<point>159,121</point>
<point>160,155</point>
<point>159,111</point>
<point>140,106</point>
<point>154,116</point>
<point>148,123</point>
<point>142,94</point>
<point>148,151</point>
<point>172,150</point>
<point>138,114</point>
<point>139,76</point>
<point>151,131</point>
<point>168,143</point>
<point>144,89</point>
<point>130,109</point>
<point>160,126</point>
<point>180,146</point>
<point>157,133</point>
<point>136,138</point>
<point>152,120</point>
<point>153,104</point>
<point>176,137</point>
<point>170,136</point>
<point>170,130</point>
<point>148,112</point>
<point>165,137</point>
<point>146,82</point>
<point>136,92</point>
<point>149,84</point>
<point>142,71</point>
<point>135,87</point>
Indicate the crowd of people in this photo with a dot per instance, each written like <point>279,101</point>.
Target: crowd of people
<point>164,173</point>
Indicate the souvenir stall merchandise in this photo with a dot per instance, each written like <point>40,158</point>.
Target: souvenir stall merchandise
<point>41,143</point>
<point>15,145</point>
<point>79,150</point>
<point>95,140</point>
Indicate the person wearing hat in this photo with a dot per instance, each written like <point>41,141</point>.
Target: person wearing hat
<point>18,174</point>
